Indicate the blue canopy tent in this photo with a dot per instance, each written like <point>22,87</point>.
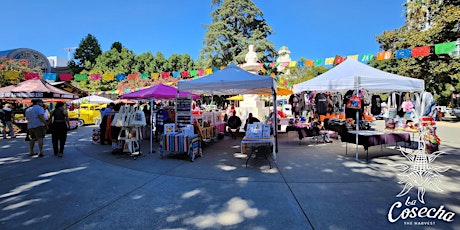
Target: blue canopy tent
<point>231,81</point>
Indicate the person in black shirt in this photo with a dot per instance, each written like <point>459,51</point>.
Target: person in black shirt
<point>250,120</point>
<point>60,124</point>
<point>234,124</point>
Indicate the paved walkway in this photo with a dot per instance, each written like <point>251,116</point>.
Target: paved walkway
<point>312,186</point>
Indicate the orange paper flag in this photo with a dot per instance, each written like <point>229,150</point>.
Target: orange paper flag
<point>309,63</point>
<point>384,55</point>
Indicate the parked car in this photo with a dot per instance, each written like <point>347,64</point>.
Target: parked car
<point>456,112</point>
<point>87,114</point>
<point>448,112</point>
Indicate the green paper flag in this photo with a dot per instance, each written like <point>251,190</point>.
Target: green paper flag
<point>319,62</point>
<point>81,77</point>
<point>144,75</point>
<point>445,48</point>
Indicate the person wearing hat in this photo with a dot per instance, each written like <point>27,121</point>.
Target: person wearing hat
<point>37,126</point>
<point>7,120</point>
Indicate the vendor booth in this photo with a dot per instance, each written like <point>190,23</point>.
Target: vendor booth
<point>354,75</point>
<point>160,92</point>
<point>233,80</point>
<point>35,88</point>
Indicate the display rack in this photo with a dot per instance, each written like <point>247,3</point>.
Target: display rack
<point>183,111</point>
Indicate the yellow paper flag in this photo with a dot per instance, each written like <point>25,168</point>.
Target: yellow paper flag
<point>11,75</point>
<point>354,57</point>
<point>329,61</point>
<point>292,64</point>
<point>108,77</point>
<point>155,75</point>
<point>208,71</point>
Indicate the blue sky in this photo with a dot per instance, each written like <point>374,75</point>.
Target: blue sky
<point>310,29</point>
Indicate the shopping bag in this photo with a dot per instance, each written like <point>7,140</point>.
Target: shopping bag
<point>138,119</point>
<point>354,103</point>
<point>117,120</point>
<point>392,107</point>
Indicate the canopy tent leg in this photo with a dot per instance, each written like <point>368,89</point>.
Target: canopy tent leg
<point>357,130</point>
<point>275,121</point>
<point>151,126</point>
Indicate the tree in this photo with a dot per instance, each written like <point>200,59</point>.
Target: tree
<point>235,25</point>
<point>143,63</point>
<point>117,45</point>
<point>427,23</point>
<point>178,62</point>
<point>300,74</point>
<point>85,55</point>
<point>110,61</point>
<point>159,63</point>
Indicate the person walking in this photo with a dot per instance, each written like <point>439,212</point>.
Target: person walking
<point>37,126</point>
<point>60,124</point>
<point>7,121</point>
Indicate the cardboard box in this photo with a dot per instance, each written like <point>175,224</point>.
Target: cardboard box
<point>254,130</point>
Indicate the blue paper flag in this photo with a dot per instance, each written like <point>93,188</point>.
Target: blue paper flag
<point>50,76</point>
<point>120,77</point>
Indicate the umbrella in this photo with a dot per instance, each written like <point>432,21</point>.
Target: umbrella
<point>158,92</point>
<point>124,101</point>
<point>35,88</point>
<point>93,99</point>
<point>236,98</point>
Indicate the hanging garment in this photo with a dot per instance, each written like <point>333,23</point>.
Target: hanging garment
<point>335,103</point>
<point>376,105</point>
<point>321,103</point>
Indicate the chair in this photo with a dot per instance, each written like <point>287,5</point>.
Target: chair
<point>234,132</point>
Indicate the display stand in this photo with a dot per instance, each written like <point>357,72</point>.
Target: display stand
<point>183,111</point>
<point>130,137</point>
<point>179,143</point>
<point>131,121</point>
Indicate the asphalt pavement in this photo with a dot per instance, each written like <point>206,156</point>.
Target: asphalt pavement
<point>311,186</point>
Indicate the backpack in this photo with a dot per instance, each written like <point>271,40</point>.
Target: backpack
<point>354,102</point>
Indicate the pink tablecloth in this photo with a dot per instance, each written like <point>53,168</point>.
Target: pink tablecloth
<point>220,127</point>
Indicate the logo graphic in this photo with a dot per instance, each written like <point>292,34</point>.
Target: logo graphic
<point>420,174</point>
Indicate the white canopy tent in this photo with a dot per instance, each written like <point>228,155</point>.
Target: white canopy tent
<point>92,99</point>
<point>351,73</point>
<point>231,81</point>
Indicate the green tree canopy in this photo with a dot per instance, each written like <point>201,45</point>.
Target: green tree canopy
<point>143,63</point>
<point>117,45</point>
<point>427,23</point>
<point>85,55</point>
<point>235,25</point>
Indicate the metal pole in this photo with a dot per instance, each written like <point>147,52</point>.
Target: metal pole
<point>357,130</point>
<point>275,120</point>
<point>151,125</point>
